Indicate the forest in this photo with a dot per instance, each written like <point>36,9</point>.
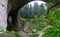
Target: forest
<point>29,18</point>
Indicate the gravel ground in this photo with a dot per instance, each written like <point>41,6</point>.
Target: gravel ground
<point>6,35</point>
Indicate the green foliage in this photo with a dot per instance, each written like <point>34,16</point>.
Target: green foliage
<point>24,19</point>
<point>54,18</point>
<point>17,34</point>
<point>39,27</point>
<point>11,33</point>
<point>2,31</point>
<point>52,32</point>
<point>51,4</point>
<point>8,32</point>
<point>34,35</point>
<point>38,18</point>
<point>32,20</point>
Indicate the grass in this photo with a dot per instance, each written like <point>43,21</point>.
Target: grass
<point>34,35</point>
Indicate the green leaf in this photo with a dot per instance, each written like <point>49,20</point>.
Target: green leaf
<point>39,27</point>
<point>34,35</point>
<point>51,4</point>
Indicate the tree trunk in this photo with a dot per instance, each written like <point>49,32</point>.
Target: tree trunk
<point>3,14</point>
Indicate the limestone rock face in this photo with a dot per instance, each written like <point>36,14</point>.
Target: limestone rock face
<point>3,14</point>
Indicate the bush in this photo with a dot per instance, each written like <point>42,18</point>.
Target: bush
<point>54,18</point>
